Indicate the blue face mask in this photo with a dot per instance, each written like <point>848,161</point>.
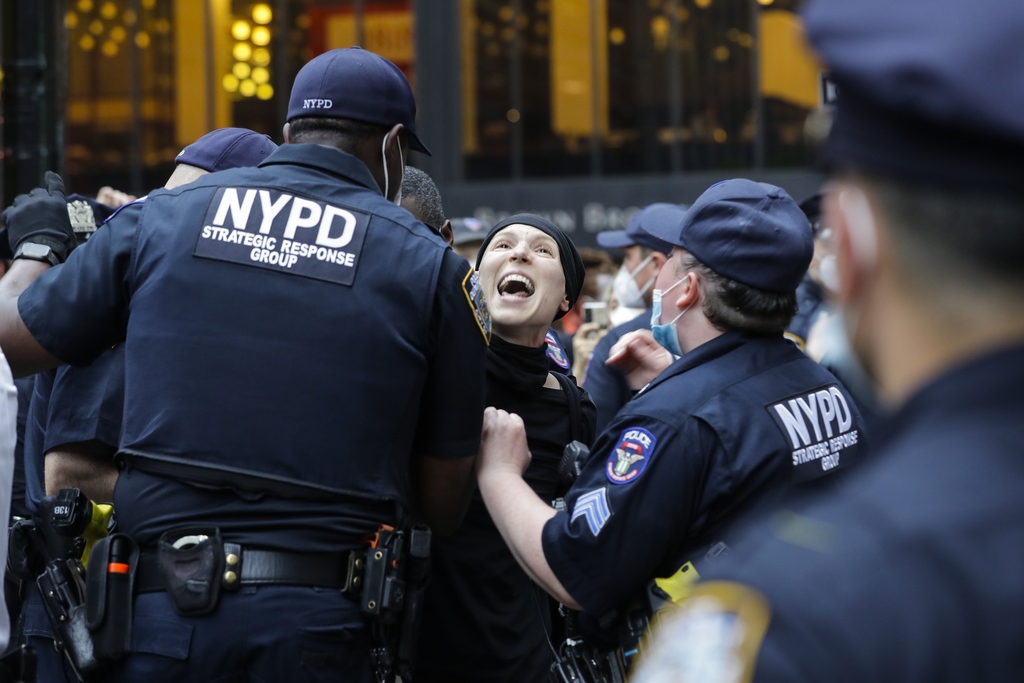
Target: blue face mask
<point>666,334</point>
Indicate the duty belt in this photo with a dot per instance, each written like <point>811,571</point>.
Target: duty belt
<point>253,566</point>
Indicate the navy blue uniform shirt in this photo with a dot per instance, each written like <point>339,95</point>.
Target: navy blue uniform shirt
<point>607,386</point>
<point>913,561</point>
<point>727,428</point>
<point>284,321</point>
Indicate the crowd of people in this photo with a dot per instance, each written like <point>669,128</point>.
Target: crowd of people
<point>284,420</point>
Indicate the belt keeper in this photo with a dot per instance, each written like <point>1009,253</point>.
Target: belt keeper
<point>232,577</point>
<point>354,573</point>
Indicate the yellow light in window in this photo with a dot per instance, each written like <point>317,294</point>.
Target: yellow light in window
<point>148,4</point>
<point>746,40</point>
<point>118,34</point>
<point>703,4</point>
<point>142,40</point>
<point>512,115</point>
<point>261,56</point>
<point>71,20</point>
<point>108,10</point>
<point>242,52</point>
<point>505,13</point>
<point>230,83</point>
<point>87,42</point>
<point>84,6</point>
<point>261,35</point>
<point>240,30</point>
<point>96,27</point>
<point>721,53</point>
<point>241,69</point>
<point>265,91</point>
<point>109,48</point>
<point>720,135</point>
<point>247,87</point>
<point>616,36</point>
<point>261,14</point>
<point>766,2</point>
<point>260,75</point>
<point>129,17</point>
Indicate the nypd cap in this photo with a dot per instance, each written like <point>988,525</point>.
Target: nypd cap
<point>929,91</point>
<point>358,85</point>
<point>634,234</point>
<point>753,233</point>
<point>226,148</point>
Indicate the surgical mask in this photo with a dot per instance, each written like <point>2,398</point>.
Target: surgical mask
<point>829,273</point>
<point>624,286</point>
<point>665,333</point>
<point>383,147</point>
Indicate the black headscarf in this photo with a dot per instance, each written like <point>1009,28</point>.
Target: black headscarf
<point>572,264</point>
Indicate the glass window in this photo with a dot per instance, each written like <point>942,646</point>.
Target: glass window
<point>610,87</point>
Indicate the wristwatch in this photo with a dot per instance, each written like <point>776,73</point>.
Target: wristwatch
<point>37,252</point>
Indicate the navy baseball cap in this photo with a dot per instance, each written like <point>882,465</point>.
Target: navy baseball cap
<point>929,91</point>
<point>226,148</point>
<point>635,233</point>
<point>467,230</point>
<point>753,233</point>
<point>355,84</point>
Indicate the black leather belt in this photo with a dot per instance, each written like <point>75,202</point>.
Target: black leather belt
<point>251,566</point>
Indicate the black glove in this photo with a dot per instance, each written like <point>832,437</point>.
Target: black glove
<point>41,217</point>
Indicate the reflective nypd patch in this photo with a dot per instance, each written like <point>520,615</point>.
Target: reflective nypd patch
<point>593,508</point>
<point>555,351</point>
<point>819,427</point>
<point>278,231</point>
<point>478,303</point>
<point>630,457</point>
<point>714,637</point>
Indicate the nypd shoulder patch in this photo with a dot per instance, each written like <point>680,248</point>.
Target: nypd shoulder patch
<point>631,455</point>
<point>478,303</point>
<point>593,508</point>
<point>555,351</point>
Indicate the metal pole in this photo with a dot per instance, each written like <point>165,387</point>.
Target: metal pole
<point>675,88</point>
<point>516,92</point>
<point>595,88</point>
<point>360,21</point>
<point>136,143</point>
<point>755,81</point>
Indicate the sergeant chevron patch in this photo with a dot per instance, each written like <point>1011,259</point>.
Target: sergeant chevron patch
<point>594,508</point>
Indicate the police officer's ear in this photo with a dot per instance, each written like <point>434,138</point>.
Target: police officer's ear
<point>849,212</point>
<point>689,291</point>
<point>658,259</point>
<point>287,132</point>
<point>446,232</point>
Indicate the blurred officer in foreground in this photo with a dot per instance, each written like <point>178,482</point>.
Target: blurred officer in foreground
<point>912,571</point>
<point>741,416</point>
<point>644,256</point>
<point>261,446</point>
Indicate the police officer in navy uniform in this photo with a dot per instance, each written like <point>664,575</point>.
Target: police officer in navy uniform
<point>911,571</point>
<point>257,307</point>
<point>644,257</point>
<point>728,427</point>
<point>75,418</point>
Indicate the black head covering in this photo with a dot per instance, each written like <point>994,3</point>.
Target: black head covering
<point>572,264</point>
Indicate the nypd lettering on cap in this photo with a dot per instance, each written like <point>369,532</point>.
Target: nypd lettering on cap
<point>631,456</point>
<point>279,231</point>
<point>317,104</point>
<point>820,429</point>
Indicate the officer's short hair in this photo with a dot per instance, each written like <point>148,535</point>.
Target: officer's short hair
<point>342,133</point>
<point>419,186</point>
<point>946,236</point>
<point>731,305</point>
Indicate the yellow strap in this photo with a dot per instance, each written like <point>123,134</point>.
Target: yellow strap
<point>97,529</point>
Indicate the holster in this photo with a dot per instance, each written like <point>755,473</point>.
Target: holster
<point>109,590</point>
<point>192,563</point>
<point>62,587</point>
